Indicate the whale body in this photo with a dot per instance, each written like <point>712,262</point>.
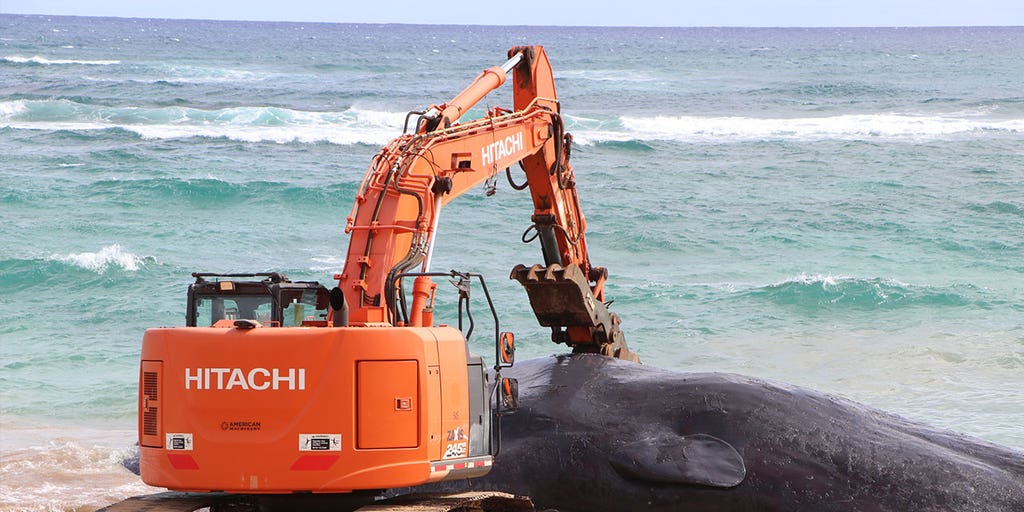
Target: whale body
<point>600,434</point>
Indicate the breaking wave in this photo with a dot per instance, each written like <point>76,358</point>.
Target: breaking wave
<point>43,61</point>
<point>247,124</point>
<point>59,474</point>
<point>842,127</point>
<point>328,263</point>
<point>188,74</point>
<point>376,127</point>
<point>109,267</point>
<point>211,191</point>
<point>816,292</point>
<point>109,257</point>
<point>111,261</point>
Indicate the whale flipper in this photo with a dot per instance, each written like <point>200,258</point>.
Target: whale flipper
<point>698,459</point>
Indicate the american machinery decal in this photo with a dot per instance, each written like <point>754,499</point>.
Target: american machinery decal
<point>319,442</point>
<point>247,425</point>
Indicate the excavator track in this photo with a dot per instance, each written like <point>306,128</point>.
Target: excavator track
<point>420,502</point>
<point>462,502</point>
<point>182,502</point>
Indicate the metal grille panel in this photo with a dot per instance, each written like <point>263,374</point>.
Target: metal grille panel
<point>150,420</point>
<point>150,426</point>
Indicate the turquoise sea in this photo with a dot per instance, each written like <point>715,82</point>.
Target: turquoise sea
<point>841,209</point>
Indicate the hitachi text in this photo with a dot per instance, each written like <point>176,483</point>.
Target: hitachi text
<point>501,149</point>
<point>256,379</point>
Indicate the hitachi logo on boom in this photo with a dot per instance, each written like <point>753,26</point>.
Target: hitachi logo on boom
<point>256,379</point>
<point>501,148</point>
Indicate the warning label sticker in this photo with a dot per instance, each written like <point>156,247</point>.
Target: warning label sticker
<point>319,442</point>
<point>182,442</point>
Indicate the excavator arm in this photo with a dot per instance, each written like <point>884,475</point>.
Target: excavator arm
<point>394,219</point>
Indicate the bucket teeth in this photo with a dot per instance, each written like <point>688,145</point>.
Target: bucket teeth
<point>560,296</point>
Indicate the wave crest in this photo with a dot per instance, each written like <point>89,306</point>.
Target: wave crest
<point>43,61</point>
<point>207,191</point>
<point>244,123</point>
<point>376,127</point>
<point>842,127</point>
<point>111,256</point>
<point>827,291</point>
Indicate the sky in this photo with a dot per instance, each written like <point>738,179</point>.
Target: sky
<point>676,13</point>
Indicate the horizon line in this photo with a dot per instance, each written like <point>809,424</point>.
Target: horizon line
<point>157,18</point>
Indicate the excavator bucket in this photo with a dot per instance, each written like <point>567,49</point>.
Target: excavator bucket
<point>560,296</point>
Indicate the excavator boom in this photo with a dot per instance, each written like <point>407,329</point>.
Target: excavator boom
<point>394,219</point>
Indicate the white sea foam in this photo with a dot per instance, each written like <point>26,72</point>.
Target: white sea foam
<point>328,264</point>
<point>843,127</point>
<point>10,109</point>
<point>376,127</point>
<point>107,257</point>
<point>192,74</point>
<point>182,72</point>
<point>53,469</point>
<point>881,287</point>
<point>247,124</point>
<point>602,75</point>
<point>823,279</point>
<point>282,134</point>
<point>45,61</point>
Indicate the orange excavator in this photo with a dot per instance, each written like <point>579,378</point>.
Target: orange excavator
<point>281,387</point>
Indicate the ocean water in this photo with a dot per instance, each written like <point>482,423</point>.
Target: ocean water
<point>841,209</point>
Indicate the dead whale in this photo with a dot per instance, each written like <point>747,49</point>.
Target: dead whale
<point>599,434</point>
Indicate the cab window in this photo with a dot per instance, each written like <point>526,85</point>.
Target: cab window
<point>300,306</point>
<point>212,308</point>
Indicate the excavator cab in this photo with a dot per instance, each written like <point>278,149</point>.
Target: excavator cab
<point>268,298</point>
